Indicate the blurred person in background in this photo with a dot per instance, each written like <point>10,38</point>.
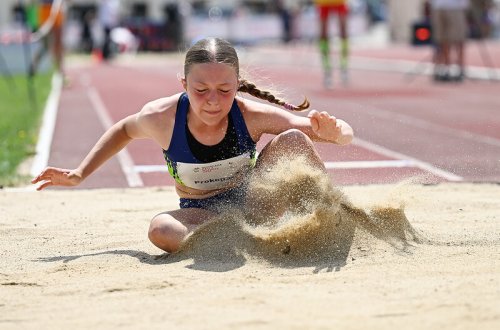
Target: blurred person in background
<point>109,18</point>
<point>19,13</point>
<point>32,16</point>
<point>87,37</point>
<point>375,11</point>
<point>450,30</point>
<point>482,21</point>
<point>340,8</point>
<point>286,14</point>
<point>174,25</point>
<point>50,23</point>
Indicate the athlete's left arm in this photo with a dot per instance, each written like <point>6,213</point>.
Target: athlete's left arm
<point>319,126</point>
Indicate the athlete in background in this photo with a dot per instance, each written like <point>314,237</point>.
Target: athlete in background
<point>50,14</point>
<point>340,8</point>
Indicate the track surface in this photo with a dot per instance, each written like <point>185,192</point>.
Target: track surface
<point>405,124</point>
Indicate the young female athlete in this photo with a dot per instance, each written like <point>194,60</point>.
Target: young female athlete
<point>208,135</point>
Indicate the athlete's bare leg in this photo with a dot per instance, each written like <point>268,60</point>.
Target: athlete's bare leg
<point>264,201</point>
<point>167,230</point>
<point>291,142</point>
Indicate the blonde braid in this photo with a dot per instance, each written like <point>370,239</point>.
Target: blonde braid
<point>250,88</point>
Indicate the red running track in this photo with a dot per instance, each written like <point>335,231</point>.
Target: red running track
<point>404,128</point>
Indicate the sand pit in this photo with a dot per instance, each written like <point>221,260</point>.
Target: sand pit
<point>373,257</point>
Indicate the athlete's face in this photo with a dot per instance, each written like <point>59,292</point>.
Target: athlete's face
<point>211,88</point>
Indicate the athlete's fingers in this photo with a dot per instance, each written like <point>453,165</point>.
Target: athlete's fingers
<point>43,174</point>
<point>334,123</point>
<point>324,114</point>
<point>44,185</point>
<point>42,177</point>
<point>313,113</point>
<point>52,172</point>
<point>323,121</point>
<point>38,177</point>
<point>314,123</point>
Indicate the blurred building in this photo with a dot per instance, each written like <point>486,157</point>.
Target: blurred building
<point>153,9</point>
<point>232,18</point>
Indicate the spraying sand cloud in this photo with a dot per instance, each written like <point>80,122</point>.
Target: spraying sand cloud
<point>295,216</point>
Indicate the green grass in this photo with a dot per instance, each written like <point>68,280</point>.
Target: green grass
<point>20,117</point>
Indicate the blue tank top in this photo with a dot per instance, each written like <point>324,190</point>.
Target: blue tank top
<point>189,171</point>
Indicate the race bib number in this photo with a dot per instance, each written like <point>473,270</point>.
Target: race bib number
<point>213,175</point>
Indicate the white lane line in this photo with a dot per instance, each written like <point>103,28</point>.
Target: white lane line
<point>417,163</point>
<point>400,160</point>
<point>46,134</point>
<point>124,158</point>
<point>328,165</point>
<point>370,164</point>
<point>150,168</point>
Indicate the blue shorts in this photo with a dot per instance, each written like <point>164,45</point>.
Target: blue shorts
<point>218,203</point>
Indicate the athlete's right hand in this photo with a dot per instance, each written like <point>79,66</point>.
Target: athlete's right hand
<point>52,176</point>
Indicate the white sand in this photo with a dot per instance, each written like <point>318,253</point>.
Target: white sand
<point>80,259</point>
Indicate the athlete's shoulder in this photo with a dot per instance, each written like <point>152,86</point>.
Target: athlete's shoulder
<point>251,106</point>
<point>157,117</point>
<point>161,106</point>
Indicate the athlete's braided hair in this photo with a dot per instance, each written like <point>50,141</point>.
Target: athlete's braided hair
<point>216,50</point>
<point>250,88</point>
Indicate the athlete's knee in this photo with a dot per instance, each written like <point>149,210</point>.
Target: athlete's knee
<point>294,142</point>
<point>293,138</point>
<point>166,232</point>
